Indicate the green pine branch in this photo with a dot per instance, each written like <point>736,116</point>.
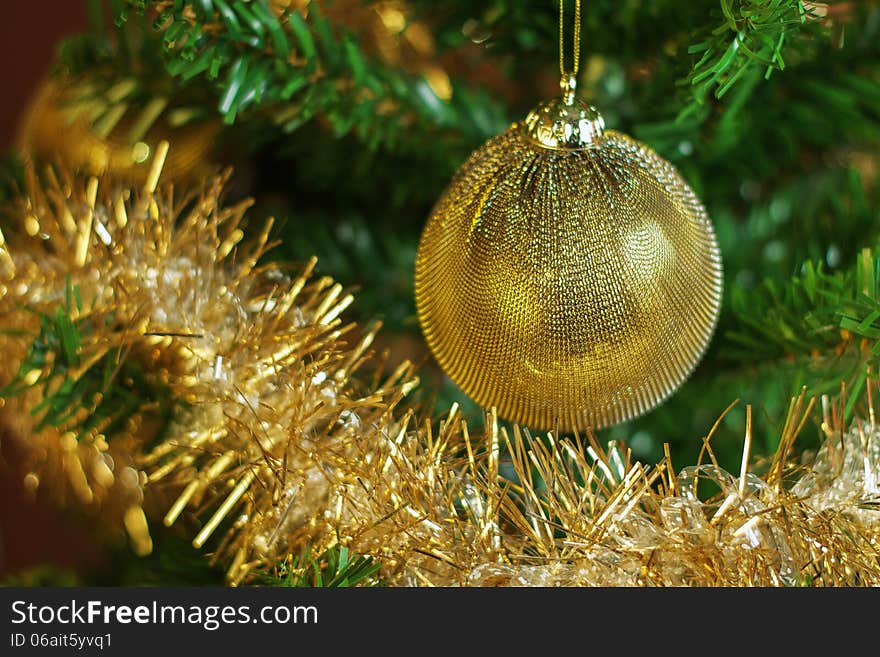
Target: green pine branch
<point>295,68</point>
<point>817,317</point>
<point>829,97</point>
<point>118,78</point>
<point>813,312</point>
<point>752,35</point>
<point>84,388</point>
<point>336,567</point>
<point>251,58</point>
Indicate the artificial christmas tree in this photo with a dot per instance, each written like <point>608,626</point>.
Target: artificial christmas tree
<point>145,333</point>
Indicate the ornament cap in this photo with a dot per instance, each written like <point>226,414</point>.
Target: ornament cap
<point>568,84</point>
<point>566,122</point>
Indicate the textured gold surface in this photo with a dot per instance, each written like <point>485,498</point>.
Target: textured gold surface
<point>568,287</point>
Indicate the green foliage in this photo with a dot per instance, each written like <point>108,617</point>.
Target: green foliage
<point>752,34</point>
<point>84,388</point>
<point>830,317</point>
<point>806,219</point>
<point>806,314</point>
<point>173,562</point>
<point>118,78</point>
<point>298,68</point>
<point>334,568</point>
<point>129,49</point>
<point>42,575</point>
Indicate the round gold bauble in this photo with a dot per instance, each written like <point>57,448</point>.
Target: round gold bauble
<point>59,125</point>
<point>567,276</point>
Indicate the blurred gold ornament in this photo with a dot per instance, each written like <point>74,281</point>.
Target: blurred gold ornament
<point>100,130</point>
<point>568,275</point>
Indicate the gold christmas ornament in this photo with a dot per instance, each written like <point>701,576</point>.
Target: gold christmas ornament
<point>96,130</point>
<point>568,275</point>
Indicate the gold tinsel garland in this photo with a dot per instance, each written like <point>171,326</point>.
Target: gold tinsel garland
<point>435,511</point>
<point>280,448</point>
<point>250,351</point>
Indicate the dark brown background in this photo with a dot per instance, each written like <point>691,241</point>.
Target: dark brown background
<point>29,33</point>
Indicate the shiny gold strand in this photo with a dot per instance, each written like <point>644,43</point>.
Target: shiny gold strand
<point>622,529</point>
<point>275,418</point>
<point>396,493</point>
<point>273,410</point>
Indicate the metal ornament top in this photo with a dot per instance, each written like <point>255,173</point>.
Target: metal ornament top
<point>566,122</point>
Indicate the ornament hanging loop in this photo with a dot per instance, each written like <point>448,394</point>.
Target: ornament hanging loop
<point>566,123</point>
<point>569,76</point>
<point>568,84</point>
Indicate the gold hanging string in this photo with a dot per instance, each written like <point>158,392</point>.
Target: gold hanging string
<point>576,55</point>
